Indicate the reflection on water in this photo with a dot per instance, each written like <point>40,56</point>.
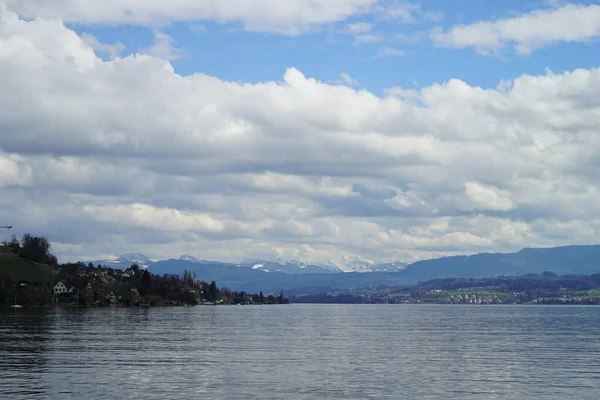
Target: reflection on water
<point>302,352</point>
<point>24,338</point>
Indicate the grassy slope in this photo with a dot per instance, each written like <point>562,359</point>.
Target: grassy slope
<point>21,270</point>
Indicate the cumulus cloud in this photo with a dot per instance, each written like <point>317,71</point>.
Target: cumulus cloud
<point>108,156</point>
<point>527,32</point>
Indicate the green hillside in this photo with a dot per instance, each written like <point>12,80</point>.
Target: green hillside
<point>17,269</point>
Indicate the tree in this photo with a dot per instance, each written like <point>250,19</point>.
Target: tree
<point>13,244</point>
<point>37,249</point>
<point>187,278</point>
<point>145,286</point>
<point>213,292</point>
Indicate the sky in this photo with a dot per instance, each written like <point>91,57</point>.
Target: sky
<point>314,130</point>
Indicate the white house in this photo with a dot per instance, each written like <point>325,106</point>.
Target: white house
<point>60,288</point>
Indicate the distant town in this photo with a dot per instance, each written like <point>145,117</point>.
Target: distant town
<point>547,288</point>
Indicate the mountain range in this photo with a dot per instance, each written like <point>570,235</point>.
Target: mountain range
<point>351,264</point>
<point>301,277</point>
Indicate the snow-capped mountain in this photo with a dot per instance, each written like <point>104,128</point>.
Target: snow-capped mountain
<point>291,266</point>
<point>195,260</point>
<point>328,266</point>
<point>393,266</point>
<point>135,258</point>
<point>346,264</point>
<point>260,267</point>
<point>358,264</point>
<point>125,261</point>
<point>189,258</point>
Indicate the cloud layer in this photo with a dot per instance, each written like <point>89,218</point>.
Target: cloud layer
<point>125,155</point>
<point>289,17</point>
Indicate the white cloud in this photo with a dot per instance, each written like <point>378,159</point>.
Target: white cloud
<point>527,32</point>
<point>125,155</point>
<point>403,11</point>
<point>164,47</point>
<point>367,38</point>
<point>12,172</point>
<point>345,79</point>
<point>113,50</point>
<point>412,38</point>
<point>487,197</point>
<point>149,217</point>
<point>290,17</point>
<point>361,31</point>
<point>434,16</point>
<point>408,95</point>
<point>358,28</point>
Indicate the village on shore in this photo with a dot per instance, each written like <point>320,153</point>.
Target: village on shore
<point>31,276</point>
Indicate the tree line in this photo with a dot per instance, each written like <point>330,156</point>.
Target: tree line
<point>32,248</point>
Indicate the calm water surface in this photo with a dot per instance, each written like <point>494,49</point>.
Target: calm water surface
<point>302,352</point>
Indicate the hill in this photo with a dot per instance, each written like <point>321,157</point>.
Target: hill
<point>16,269</point>
<point>566,260</point>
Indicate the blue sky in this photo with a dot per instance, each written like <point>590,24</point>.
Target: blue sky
<point>230,52</point>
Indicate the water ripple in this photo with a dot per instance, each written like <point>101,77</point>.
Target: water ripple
<point>302,352</point>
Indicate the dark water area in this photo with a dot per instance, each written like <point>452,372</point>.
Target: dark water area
<point>302,352</point>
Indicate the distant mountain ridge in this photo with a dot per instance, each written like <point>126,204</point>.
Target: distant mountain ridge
<point>351,264</point>
<point>564,260</point>
<point>301,277</point>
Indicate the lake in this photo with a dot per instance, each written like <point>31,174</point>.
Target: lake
<point>302,352</point>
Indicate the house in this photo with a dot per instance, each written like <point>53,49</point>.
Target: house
<point>60,288</point>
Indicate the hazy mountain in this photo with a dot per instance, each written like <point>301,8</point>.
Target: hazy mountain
<point>254,277</point>
<point>347,264</point>
<point>584,260</point>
